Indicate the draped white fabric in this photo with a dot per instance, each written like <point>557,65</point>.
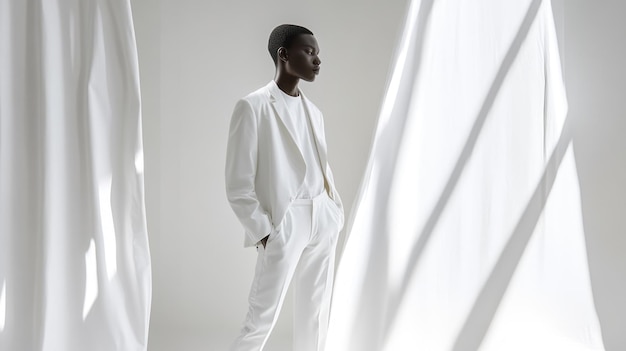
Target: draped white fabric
<point>467,233</point>
<point>74,260</point>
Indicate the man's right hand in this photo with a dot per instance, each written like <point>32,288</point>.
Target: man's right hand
<point>264,240</point>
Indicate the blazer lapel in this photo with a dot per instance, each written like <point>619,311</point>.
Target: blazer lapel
<point>281,110</point>
<point>317,134</point>
<point>320,143</point>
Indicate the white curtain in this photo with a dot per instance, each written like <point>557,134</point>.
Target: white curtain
<point>467,233</point>
<point>74,259</point>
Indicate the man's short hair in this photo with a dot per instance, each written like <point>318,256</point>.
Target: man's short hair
<point>283,36</point>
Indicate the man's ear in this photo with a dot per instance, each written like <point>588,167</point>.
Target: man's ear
<point>282,54</point>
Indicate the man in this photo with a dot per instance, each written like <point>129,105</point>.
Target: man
<point>281,188</point>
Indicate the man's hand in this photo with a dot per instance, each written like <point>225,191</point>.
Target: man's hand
<point>264,240</point>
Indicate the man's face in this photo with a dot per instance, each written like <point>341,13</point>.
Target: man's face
<point>302,58</point>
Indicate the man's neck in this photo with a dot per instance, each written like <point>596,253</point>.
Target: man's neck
<point>288,85</point>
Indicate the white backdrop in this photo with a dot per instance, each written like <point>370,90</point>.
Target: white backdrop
<point>594,54</point>
<point>198,57</point>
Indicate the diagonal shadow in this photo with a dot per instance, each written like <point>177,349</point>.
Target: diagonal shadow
<point>398,296</point>
<point>487,302</point>
<point>367,330</point>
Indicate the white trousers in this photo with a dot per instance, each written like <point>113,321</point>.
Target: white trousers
<point>302,250</point>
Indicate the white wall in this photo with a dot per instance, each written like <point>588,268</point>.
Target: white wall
<point>197,57</point>
<point>595,77</point>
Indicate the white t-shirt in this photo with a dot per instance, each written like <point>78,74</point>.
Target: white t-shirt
<point>300,125</point>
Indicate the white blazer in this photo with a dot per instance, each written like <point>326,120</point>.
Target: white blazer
<point>264,166</point>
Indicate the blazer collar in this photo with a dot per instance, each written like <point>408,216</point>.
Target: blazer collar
<point>276,94</point>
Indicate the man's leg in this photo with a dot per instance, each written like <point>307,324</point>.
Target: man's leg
<point>275,267</point>
<point>313,279</point>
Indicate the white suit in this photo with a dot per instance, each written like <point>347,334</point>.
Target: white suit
<point>264,166</point>
<point>265,170</point>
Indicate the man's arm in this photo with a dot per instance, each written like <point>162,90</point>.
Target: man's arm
<point>241,165</point>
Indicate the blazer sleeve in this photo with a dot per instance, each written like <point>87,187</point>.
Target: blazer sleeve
<point>241,165</point>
